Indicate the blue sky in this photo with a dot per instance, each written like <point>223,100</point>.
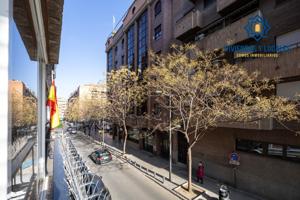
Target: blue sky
<point>86,26</point>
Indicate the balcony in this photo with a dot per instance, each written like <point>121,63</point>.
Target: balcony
<point>286,65</point>
<point>228,35</point>
<point>188,24</point>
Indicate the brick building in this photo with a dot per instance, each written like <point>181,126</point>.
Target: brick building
<point>269,152</point>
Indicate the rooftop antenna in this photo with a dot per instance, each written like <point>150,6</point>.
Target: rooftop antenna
<point>113,24</point>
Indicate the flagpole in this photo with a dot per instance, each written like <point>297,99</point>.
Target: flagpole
<point>113,24</point>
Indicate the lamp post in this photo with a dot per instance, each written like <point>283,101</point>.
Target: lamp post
<point>103,131</point>
<point>170,138</point>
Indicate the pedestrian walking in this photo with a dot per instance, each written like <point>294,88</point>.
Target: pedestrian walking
<point>200,172</point>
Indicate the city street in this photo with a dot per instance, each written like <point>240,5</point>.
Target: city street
<point>123,181</point>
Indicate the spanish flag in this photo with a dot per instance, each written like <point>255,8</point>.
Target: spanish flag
<point>52,103</point>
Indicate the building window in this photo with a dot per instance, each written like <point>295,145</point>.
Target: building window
<point>133,10</point>
<point>156,109</point>
<point>130,47</point>
<point>157,32</point>
<point>116,50</point>
<point>109,60</point>
<point>290,39</point>
<point>123,43</point>
<point>142,41</point>
<point>286,152</point>
<point>208,3</point>
<point>116,63</point>
<point>157,8</point>
<point>122,60</point>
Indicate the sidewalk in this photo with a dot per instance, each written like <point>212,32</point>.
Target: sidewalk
<point>179,173</point>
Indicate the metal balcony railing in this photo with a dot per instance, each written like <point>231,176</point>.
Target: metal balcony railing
<point>83,185</point>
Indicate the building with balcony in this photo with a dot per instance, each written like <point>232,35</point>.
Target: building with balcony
<point>146,26</point>
<point>268,150</point>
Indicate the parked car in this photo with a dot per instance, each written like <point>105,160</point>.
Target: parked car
<point>71,130</point>
<point>101,156</point>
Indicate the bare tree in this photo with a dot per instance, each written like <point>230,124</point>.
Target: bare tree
<point>125,92</point>
<point>205,90</point>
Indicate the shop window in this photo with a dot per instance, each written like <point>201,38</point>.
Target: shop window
<point>275,150</point>
<point>157,32</point>
<point>133,135</point>
<point>249,146</point>
<point>293,152</point>
<point>286,152</point>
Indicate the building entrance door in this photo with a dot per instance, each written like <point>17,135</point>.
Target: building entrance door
<point>148,142</point>
<point>165,145</point>
<point>182,148</point>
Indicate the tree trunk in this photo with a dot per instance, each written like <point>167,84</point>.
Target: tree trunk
<point>189,157</point>
<point>125,137</point>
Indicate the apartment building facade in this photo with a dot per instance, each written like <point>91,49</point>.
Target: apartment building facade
<point>62,105</point>
<point>268,151</point>
<point>88,92</point>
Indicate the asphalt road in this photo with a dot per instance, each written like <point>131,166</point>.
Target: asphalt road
<point>123,181</point>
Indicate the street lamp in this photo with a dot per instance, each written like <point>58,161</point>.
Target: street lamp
<point>103,131</point>
<point>170,137</point>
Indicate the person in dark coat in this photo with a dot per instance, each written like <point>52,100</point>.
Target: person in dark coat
<point>200,172</point>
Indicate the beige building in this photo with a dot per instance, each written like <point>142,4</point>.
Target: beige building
<point>88,92</point>
<point>62,105</point>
